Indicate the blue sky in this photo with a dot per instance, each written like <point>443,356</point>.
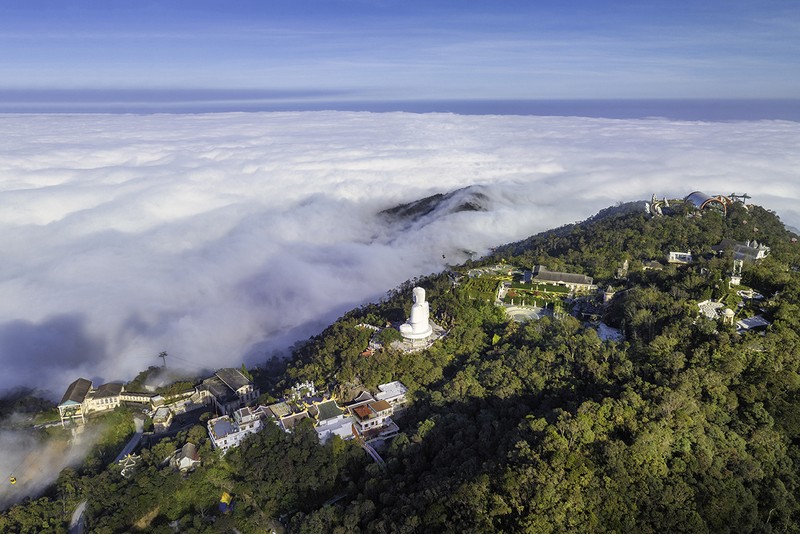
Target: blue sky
<point>387,50</point>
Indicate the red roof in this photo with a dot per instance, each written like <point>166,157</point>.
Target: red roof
<point>363,412</point>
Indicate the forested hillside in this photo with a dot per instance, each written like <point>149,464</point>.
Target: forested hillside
<point>686,426</point>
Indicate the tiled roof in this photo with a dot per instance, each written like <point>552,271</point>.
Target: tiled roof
<point>363,396</point>
<point>219,389</point>
<point>328,410</point>
<point>341,427</point>
<point>108,390</point>
<point>747,250</point>
<point>76,392</point>
<point>280,409</point>
<point>363,412</point>
<point>162,413</point>
<point>541,274</point>
<point>290,422</point>
<point>189,451</point>
<point>233,378</point>
<point>756,321</point>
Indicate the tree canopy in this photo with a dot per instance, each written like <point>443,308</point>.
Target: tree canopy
<point>542,426</point>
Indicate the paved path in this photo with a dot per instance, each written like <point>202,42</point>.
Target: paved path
<point>76,525</point>
<point>374,454</point>
<point>134,441</point>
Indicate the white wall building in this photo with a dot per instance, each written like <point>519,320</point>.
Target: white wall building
<point>680,258</point>
<point>371,415</point>
<point>341,425</point>
<point>394,393</point>
<point>81,398</point>
<point>162,419</point>
<point>226,432</point>
<point>106,397</point>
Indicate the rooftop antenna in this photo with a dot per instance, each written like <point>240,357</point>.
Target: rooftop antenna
<point>163,356</point>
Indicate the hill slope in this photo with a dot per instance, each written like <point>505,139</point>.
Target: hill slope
<point>686,425</point>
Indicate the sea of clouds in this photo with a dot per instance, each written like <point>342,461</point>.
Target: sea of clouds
<point>221,238</point>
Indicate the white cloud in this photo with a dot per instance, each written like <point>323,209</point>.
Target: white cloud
<point>220,237</point>
<point>35,461</point>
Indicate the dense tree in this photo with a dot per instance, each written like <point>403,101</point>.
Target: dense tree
<point>686,426</point>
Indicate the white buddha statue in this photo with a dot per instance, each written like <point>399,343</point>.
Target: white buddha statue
<point>418,325</point>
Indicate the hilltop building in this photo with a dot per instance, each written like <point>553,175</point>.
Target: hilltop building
<point>371,415</point>
<point>106,397</point>
<point>287,416</point>
<point>680,258</point>
<point>728,316</point>
<point>81,399</point>
<point>186,458</point>
<point>226,432</point>
<point>394,393</point>
<point>71,407</point>
<point>331,421</point>
<point>137,397</point>
<point>743,250</point>
<point>652,265</point>
<point>366,417</point>
<point>228,390</point>
<point>162,419</point>
<point>575,282</point>
<point>750,324</point>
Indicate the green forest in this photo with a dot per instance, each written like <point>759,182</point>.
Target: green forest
<point>541,426</point>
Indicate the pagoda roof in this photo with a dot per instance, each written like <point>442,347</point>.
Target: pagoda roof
<point>327,410</point>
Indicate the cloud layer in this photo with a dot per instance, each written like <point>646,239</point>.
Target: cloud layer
<point>36,462</point>
<point>222,237</point>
